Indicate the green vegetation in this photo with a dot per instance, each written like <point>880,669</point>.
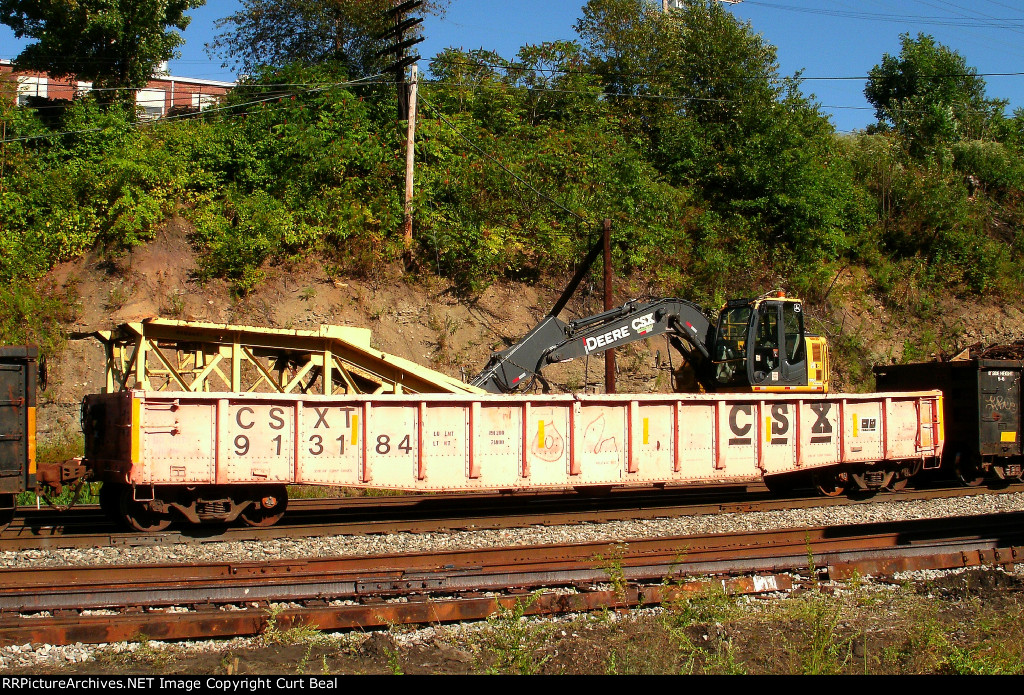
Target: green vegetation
<point>720,175</point>
<point>270,32</point>
<point>513,642</point>
<point>959,623</point>
<point>113,44</point>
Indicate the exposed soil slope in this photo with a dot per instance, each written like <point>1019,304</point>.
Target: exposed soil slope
<point>423,319</point>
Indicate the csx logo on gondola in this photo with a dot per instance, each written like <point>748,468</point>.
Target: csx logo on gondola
<point>641,324</point>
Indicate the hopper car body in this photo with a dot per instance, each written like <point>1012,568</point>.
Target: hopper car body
<point>18,373</point>
<point>982,409</point>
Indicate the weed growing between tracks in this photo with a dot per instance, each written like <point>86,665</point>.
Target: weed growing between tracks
<point>513,643</point>
<point>954,623</point>
<point>612,566</point>
<point>140,656</point>
<point>308,637</point>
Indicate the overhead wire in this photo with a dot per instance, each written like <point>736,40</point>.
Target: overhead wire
<point>995,22</point>
<point>313,88</point>
<point>802,78</point>
<point>667,97</point>
<point>661,97</point>
<point>975,37</point>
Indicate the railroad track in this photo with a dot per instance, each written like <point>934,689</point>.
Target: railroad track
<point>86,527</point>
<point>179,601</point>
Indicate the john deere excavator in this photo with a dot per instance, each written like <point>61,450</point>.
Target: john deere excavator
<point>757,344</point>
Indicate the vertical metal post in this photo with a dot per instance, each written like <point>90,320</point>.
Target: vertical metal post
<point>410,156</point>
<point>609,355</point>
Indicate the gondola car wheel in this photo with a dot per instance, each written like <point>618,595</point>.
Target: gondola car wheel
<point>137,516</point>
<point>268,508</point>
<point>901,477</point>
<point>831,484</point>
<point>968,472</point>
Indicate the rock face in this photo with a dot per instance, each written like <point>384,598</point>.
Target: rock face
<point>423,319</point>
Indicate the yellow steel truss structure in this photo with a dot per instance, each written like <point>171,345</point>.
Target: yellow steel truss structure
<point>168,355</point>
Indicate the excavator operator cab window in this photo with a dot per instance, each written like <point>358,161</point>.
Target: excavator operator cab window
<point>761,344</point>
<point>780,358</point>
<point>793,323</point>
<point>766,344</point>
<point>730,356</point>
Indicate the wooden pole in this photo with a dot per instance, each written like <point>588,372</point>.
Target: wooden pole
<point>609,355</point>
<point>410,156</point>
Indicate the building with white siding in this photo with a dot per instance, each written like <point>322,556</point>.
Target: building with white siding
<point>163,94</point>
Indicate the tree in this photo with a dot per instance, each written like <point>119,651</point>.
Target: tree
<point>112,43</point>
<point>311,32</point>
<point>929,95</point>
<point>628,45</point>
<point>703,92</point>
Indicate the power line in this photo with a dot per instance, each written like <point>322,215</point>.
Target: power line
<point>313,88</point>
<point>663,97</point>
<point>736,78</point>
<point>993,23</point>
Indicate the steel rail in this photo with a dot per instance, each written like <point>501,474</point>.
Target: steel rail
<point>497,569</point>
<point>419,587</point>
<point>257,620</point>
<point>422,513</point>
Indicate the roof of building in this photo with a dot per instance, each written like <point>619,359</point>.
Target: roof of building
<point>164,78</point>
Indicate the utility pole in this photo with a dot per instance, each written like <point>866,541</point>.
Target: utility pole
<point>410,158</point>
<point>406,92</point>
<point>609,354</point>
<point>398,31</point>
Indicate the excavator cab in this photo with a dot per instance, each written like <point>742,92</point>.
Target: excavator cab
<point>760,345</point>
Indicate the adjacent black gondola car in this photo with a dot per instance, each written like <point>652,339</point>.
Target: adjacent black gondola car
<point>982,411</point>
<point>17,425</point>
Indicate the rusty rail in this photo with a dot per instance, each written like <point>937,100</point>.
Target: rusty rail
<point>86,527</point>
<point>68,629</point>
<point>367,583</point>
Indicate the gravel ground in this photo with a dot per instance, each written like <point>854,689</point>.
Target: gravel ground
<point>294,548</point>
<point>43,657</point>
<point>456,646</point>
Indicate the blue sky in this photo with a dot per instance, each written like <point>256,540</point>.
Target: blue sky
<point>830,41</point>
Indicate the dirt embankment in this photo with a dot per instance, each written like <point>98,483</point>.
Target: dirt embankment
<point>423,319</point>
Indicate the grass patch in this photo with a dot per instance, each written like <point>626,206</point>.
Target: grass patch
<point>36,315</point>
<point>513,642</point>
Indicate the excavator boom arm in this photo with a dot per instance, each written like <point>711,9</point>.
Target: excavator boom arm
<point>553,340</point>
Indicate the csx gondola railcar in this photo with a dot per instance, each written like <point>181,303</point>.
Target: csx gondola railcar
<point>217,456</point>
